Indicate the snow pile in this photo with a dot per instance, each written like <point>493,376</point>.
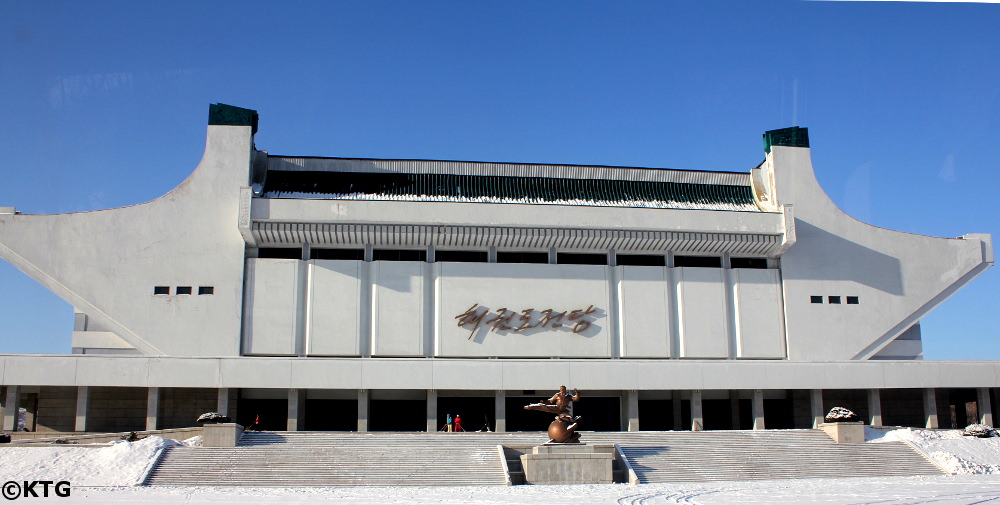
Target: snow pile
<point>948,448</point>
<point>841,415</point>
<point>118,464</point>
<point>979,430</point>
<point>213,417</point>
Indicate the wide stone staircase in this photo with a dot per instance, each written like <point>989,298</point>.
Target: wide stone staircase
<point>767,454</point>
<point>435,459</point>
<point>335,459</point>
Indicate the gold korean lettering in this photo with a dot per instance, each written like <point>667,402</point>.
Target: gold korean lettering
<point>472,316</point>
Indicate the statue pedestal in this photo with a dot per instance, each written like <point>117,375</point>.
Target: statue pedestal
<point>567,464</point>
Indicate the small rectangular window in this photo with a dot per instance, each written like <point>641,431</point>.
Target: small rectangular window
<point>461,256</point>
<point>581,259</point>
<point>698,261</point>
<point>399,255</point>
<point>183,290</point>
<point>641,260</point>
<point>522,257</point>
<point>748,262</point>
<point>161,290</point>
<point>815,299</point>
<point>834,300</point>
<point>288,253</point>
<point>337,254</point>
<point>206,290</point>
<point>853,300</point>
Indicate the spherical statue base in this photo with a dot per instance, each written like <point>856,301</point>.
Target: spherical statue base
<point>561,432</point>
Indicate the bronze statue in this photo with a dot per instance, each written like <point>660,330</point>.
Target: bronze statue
<point>563,429</point>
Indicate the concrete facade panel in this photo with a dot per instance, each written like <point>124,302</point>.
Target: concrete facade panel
<point>26,370</point>
<point>397,374</point>
<point>761,330</point>
<point>184,373</point>
<point>398,319</point>
<point>644,294</point>
<point>725,374</point>
<point>792,375</point>
<point>591,375</point>
<point>535,374</point>
<point>854,375</point>
<point>906,375</point>
<point>255,373</point>
<point>110,371</point>
<point>273,306</point>
<point>326,373</point>
<point>703,319</point>
<point>335,307</point>
<point>468,374</point>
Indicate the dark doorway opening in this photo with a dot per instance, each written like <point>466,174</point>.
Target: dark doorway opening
<point>778,414</point>
<point>718,415</point>
<point>963,408</point>
<point>476,411</point>
<point>519,419</point>
<point>656,415</point>
<point>272,413</point>
<point>600,413</point>
<point>330,415</point>
<point>397,415</point>
<point>903,407</point>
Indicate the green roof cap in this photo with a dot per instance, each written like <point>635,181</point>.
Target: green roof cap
<point>787,137</point>
<point>221,114</point>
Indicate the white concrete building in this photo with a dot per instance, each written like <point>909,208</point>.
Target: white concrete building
<point>368,294</point>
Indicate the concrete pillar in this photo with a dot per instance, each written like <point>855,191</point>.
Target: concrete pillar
<point>294,409</point>
<point>758,409</point>
<point>984,406</point>
<point>82,398</point>
<point>632,410</point>
<point>152,407</point>
<point>816,404</point>
<point>675,400</point>
<point>734,409</point>
<point>432,408</point>
<point>222,401</point>
<point>930,408</point>
<point>10,409</point>
<point>697,421</point>
<point>500,408</point>
<point>362,410</point>
<point>875,407</point>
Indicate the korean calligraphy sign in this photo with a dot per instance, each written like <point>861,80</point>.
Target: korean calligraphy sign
<point>506,319</point>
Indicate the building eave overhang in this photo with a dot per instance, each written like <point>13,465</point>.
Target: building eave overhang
<point>324,223</point>
<point>487,374</point>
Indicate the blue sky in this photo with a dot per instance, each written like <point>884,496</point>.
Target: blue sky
<point>104,104</point>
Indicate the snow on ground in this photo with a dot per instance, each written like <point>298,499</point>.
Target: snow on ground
<point>943,490</point>
<point>108,474</point>
<point>948,448</point>
<point>117,464</point>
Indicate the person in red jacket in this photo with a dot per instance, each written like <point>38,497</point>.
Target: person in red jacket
<point>458,423</point>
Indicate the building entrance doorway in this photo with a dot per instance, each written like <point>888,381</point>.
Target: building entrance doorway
<point>267,414</point>
<point>330,415</point>
<point>477,412</point>
<point>397,415</point>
